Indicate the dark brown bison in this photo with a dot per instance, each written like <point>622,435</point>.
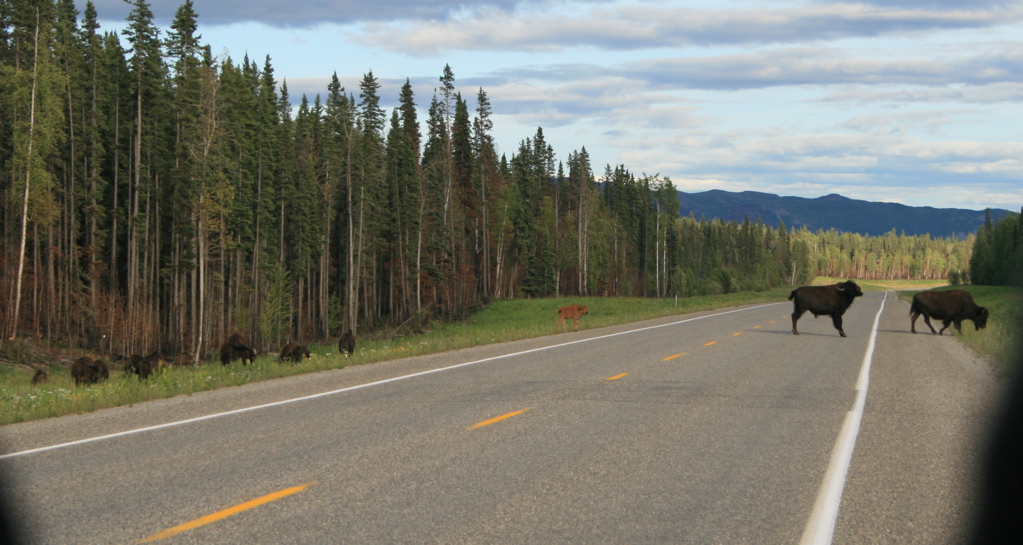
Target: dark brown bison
<point>951,307</point>
<point>40,377</point>
<point>346,345</point>
<point>571,311</point>
<point>85,370</point>
<point>830,300</point>
<point>293,352</point>
<point>236,348</point>
<point>143,366</point>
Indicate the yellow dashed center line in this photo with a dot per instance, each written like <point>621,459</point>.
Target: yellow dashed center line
<point>496,419</point>
<point>219,515</point>
<point>739,333</point>
<point>673,357</point>
<point>756,327</point>
<point>710,343</point>
<point>616,377</point>
<point>771,322</point>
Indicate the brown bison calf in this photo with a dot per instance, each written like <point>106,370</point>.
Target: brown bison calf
<point>346,345</point>
<point>236,348</point>
<point>951,307</point>
<point>571,311</point>
<point>85,370</point>
<point>830,300</point>
<point>39,377</point>
<point>293,352</point>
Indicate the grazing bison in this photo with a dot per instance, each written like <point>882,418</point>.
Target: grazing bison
<point>951,307</point>
<point>39,377</point>
<point>830,300</point>
<point>293,352</point>
<point>236,348</point>
<point>85,370</point>
<point>571,311</point>
<point>143,366</point>
<point>346,345</point>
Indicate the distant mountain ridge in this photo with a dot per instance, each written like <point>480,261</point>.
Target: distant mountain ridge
<point>834,211</point>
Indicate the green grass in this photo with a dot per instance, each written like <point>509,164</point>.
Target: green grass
<point>1000,341</point>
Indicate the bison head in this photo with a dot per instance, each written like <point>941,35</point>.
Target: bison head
<point>980,319</point>
<point>849,289</point>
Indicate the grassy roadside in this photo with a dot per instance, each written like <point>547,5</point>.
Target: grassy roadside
<point>1000,340</point>
<point>498,322</point>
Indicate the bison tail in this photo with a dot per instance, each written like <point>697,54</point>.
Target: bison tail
<point>914,308</point>
<point>792,295</point>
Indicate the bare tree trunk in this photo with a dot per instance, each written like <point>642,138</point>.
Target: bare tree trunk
<point>358,259</point>
<point>28,178</point>
<point>133,238</point>
<point>202,280</point>
<point>113,209</point>
<point>350,301</point>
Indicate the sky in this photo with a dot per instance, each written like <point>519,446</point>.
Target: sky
<point>910,101</point>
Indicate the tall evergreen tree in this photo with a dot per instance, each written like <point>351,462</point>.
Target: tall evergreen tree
<point>148,72</point>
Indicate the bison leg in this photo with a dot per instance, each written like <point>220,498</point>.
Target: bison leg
<point>836,319</point>
<point>575,324</point>
<point>912,321</point>
<point>945,324</point>
<point>795,318</point>
<point>927,320</point>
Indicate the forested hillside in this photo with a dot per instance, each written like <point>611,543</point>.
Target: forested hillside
<point>156,196</point>
<point>837,212</point>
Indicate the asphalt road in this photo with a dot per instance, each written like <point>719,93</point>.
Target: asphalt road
<point>715,427</point>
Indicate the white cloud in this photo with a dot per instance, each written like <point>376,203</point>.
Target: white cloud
<point>669,25</point>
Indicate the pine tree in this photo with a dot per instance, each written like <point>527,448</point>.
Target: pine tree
<point>485,181</point>
<point>148,72</point>
<point>370,180</point>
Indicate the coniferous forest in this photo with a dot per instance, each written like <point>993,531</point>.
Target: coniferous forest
<point>158,197</point>
<point>998,252</point>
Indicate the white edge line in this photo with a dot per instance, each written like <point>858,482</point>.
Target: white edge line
<point>821,527</point>
<point>351,388</point>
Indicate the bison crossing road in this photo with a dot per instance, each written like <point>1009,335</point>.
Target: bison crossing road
<point>951,307</point>
<point>830,300</point>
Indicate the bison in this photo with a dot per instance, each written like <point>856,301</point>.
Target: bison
<point>951,307</point>
<point>571,311</point>
<point>236,348</point>
<point>830,300</point>
<point>40,377</point>
<point>143,366</point>
<point>346,345</point>
<point>293,352</point>
<point>85,370</point>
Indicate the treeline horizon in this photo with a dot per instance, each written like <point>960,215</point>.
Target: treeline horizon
<point>157,197</point>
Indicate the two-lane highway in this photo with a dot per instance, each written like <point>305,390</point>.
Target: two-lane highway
<point>716,427</point>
